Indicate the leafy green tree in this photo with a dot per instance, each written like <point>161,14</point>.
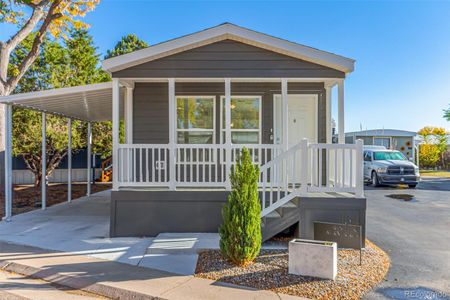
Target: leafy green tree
<point>434,147</point>
<point>28,138</point>
<point>240,233</point>
<point>75,62</point>
<point>127,44</point>
<point>429,155</point>
<point>34,19</point>
<point>82,62</point>
<point>447,114</point>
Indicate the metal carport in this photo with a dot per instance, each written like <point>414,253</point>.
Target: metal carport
<point>89,103</point>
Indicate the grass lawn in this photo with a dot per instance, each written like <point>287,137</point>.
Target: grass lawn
<point>435,173</point>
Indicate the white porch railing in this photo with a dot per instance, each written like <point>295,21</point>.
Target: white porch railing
<point>196,165</point>
<point>311,168</point>
<point>304,168</point>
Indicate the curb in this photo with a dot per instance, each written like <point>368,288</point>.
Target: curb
<point>72,282</point>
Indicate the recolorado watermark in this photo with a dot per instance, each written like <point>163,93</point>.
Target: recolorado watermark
<point>425,294</point>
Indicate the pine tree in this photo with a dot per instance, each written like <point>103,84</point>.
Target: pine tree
<point>240,233</point>
<point>127,44</point>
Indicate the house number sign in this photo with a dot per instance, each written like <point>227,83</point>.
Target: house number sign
<point>345,235</point>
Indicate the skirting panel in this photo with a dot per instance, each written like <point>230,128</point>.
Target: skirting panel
<point>333,210</point>
<point>148,213</point>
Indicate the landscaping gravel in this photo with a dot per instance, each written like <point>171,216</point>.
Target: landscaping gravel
<point>270,272</point>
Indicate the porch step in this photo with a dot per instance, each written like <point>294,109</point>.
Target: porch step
<point>280,219</point>
<point>273,215</point>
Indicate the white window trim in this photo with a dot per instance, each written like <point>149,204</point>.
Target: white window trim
<point>383,137</point>
<point>222,98</point>
<point>196,129</point>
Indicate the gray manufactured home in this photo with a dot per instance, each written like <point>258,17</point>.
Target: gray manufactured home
<point>192,103</point>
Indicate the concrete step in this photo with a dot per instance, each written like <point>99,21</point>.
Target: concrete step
<point>15,287</point>
<point>183,243</point>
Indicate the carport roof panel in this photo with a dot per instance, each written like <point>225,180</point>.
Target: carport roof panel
<point>89,102</point>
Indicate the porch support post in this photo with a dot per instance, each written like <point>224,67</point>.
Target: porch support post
<point>341,125</point>
<point>8,163</point>
<point>304,161</point>
<point>227,132</point>
<point>285,112</point>
<point>69,160</point>
<point>359,169</point>
<point>172,135</point>
<point>129,116</point>
<point>329,102</point>
<point>115,131</point>
<point>44,163</point>
<point>89,159</point>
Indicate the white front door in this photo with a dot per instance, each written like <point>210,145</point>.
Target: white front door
<point>302,118</point>
<point>302,122</point>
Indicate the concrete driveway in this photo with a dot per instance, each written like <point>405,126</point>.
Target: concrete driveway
<point>79,227</point>
<point>416,235</point>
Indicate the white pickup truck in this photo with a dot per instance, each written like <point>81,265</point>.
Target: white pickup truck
<point>389,167</point>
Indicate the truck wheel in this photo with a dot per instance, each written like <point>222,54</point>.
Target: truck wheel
<point>375,182</point>
<point>412,186</point>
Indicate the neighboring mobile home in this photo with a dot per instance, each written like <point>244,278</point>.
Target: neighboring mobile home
<point>394,139</point>
<point>190,104</point>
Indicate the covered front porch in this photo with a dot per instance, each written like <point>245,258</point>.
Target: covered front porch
<point>188,132</point>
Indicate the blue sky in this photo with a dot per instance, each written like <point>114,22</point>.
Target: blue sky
<point>402,48</point>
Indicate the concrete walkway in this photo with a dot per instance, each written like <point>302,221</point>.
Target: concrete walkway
<point>82,227</point>
<point>117,280</point>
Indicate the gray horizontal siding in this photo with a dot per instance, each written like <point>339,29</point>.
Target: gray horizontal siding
<point>228,59</point>
<point>151,113</point>
<point>151,109</point>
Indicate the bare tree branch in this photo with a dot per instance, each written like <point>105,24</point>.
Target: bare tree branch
<point>36,16</point>
<point>34,52</point>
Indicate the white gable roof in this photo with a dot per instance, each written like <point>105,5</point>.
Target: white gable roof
<point>231,32</point>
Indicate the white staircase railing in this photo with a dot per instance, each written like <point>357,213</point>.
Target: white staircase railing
<point>281,178</point>
<point>311,168</point>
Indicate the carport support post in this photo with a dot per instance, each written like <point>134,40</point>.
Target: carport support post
<point>44,163</point>
<point>8,163</point>
<point>69,161</point>
<point>89,158</point>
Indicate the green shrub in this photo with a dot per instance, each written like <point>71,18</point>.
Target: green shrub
<point>240,233</point>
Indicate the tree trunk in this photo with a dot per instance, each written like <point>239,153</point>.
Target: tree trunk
<point>34,164</point>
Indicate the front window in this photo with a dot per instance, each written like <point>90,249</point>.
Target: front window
<point>386,142</point>
<point>245,119</point>
<point>388,155</point>
<point>195,119</point>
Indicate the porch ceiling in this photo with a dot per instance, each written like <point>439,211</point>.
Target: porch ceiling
<point>88,103</point>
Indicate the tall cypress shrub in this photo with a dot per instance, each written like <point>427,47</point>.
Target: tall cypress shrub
<point>240,233</point>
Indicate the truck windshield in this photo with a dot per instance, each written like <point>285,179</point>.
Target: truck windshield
<point>387,155</point>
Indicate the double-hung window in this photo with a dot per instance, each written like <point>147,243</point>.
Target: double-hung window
<point>245,119</point>
<point>195,119</point>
